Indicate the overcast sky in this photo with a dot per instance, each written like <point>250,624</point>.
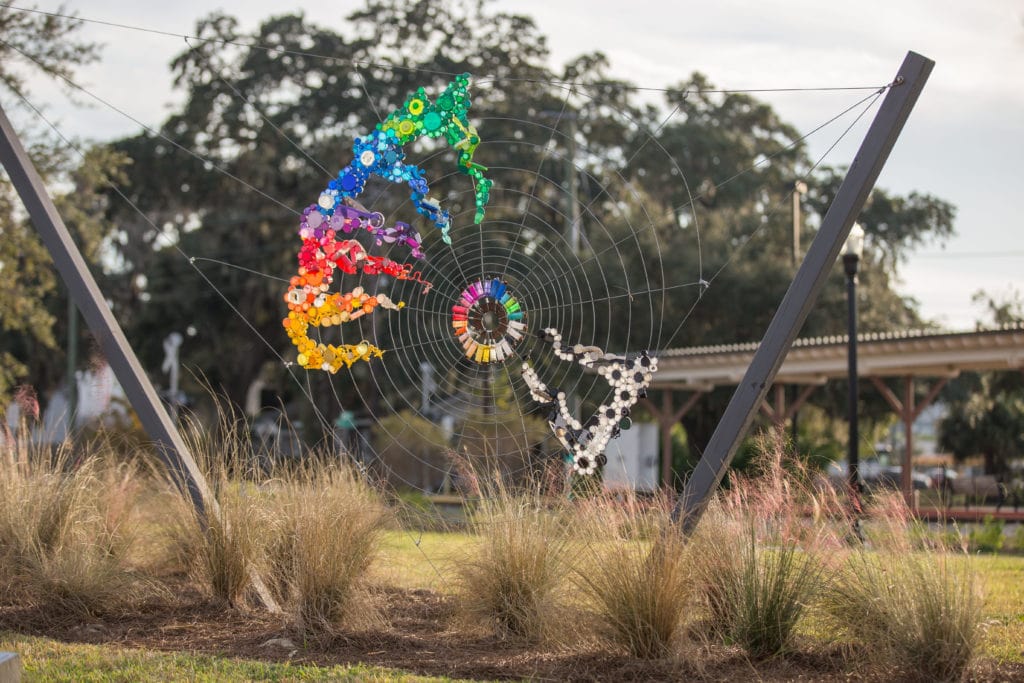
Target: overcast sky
<point>963,142</point>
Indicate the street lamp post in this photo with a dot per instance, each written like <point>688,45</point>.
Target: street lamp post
<point>852,251</point>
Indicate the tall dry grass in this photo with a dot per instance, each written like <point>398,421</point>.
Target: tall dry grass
<point>514,578</point>
<point>763,549</point>
<point>756,595</point>
<point>224,550</point>
<point>66,526</point>
<point>307,530</point>
<point>325,535</point>
<point>636,572</point>
<point>913,606</point>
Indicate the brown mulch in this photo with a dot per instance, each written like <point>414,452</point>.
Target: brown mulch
<point>421,637</point>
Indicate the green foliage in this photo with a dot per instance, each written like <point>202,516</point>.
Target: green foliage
<point>986,409</point>
<point>39,43</point>
<point>1005,311</point>
<point>989,536</point>
<point>986,417</point>
<point>236,98</point>
<point>32,310</point>
<point>412,450</point>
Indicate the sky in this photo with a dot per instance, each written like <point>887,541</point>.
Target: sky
<point>964,141</point>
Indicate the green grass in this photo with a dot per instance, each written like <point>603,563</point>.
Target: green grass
<point>414,559</point>
<point>44,659</point>
<point>1002,579</point>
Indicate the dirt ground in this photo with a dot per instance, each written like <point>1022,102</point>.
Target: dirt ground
<point>421,636</point>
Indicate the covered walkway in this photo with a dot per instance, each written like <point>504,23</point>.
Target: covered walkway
<point>915,357</point>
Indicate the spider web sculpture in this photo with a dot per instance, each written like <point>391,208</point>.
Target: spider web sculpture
<point>494,285</point>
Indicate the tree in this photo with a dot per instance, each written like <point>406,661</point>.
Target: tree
<point>281,120</point>
<point>245,108</point>
<point>33,305</point>
<point>985,410</point>
<point>740,161</point>
<point>984,419</point>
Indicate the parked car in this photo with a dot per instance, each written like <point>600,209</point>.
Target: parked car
<point>875,475</point>
<point>942,477</point>
<point>891,476</point>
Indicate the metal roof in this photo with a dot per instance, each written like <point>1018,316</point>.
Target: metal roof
<point>814,360</point>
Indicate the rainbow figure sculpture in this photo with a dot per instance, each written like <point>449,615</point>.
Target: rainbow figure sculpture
<point>324,251</point>
<point>382,153</point>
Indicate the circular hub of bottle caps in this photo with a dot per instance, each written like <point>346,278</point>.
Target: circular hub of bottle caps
<point>488,321</point>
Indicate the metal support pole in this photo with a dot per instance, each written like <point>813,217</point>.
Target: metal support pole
<point>803,292</point>
<point>72,365</point>
<point>909,418</point>
<point>86,295</point>
<point>89,299</point>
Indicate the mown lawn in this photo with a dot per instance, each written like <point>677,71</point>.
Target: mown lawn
<point>1003,580</point>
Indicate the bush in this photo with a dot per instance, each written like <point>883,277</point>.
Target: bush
<point>988,537</point>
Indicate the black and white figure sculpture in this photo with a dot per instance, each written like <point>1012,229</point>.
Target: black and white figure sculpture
<point>628,378</point>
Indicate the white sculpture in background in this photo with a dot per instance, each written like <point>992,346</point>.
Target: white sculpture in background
<point>172,343</point>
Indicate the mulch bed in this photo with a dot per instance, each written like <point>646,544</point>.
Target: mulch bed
<point>421,637</point>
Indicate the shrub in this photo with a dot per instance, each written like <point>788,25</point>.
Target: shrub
<point>989,536</point>
<point>1017,542</point>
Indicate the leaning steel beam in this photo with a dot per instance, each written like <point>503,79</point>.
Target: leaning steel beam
<point>87,296</point>
<point>804,290</point>
<point>89,300</point>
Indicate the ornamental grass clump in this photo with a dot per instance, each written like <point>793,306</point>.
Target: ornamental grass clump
<point>757,595</point>
<point>223,549</point>
<point>917,610</point>
<point>636,574</point>
<point>65,526</point>
<point>514,577</point>
<point>762,547</point>
<point>325,534</point>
